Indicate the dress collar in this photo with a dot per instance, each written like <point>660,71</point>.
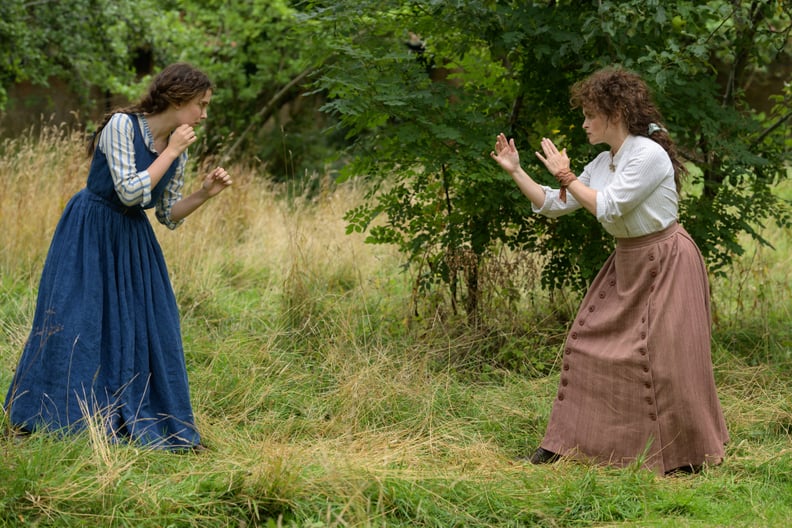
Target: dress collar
<point>625,146</point>
<point>148,137</point>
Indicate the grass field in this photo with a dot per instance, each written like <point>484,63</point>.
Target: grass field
<point>326,402</point>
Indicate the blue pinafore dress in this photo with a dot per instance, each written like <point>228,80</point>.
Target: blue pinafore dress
<point>105,347</point>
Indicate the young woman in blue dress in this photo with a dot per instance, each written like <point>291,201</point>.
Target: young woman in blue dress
<point>105,345</point>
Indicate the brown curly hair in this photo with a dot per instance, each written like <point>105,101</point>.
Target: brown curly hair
<point>176,84</point>
<point>620,94</point>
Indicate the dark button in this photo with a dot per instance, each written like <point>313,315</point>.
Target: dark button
<point>560,395</point>
<point>574,335</point>
<point>653,417</point>
<point>648,385</point>
<point>643,319</point>
<point>568,350</point>
<point>649,400</point>
<point>651,257</point>
<point>646,368</point>
<point>643,335</point>
<point>581,322</point>
<point>591,308</point>
<point>653,273</point>
<point>602,295</point>
<point>564,382</point>
<point>613,282</point>
<point>642,351</point>
<point>566,366</point>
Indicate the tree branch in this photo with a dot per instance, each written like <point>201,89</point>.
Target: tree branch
<point>770,129</point>
<point>264,112</point>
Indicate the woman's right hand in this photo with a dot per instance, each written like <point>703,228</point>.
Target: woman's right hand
<point>506,154</point>
<point>181,138</point>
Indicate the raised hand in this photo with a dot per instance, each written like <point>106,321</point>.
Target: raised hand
<point>554,160</point>
<point>216,181</point>
<point>181,138</point>
<point>506,154</point>
<point>558,165</point>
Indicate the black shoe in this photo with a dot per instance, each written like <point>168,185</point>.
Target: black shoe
<point>196,449</point>
<point>684,470</point>
<point>543,456</point>
<point>17,435</point>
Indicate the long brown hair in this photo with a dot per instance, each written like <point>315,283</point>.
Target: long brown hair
<point>618,93</point>
<point>175,84</point>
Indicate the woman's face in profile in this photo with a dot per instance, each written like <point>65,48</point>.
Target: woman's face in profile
<point>194,111</point>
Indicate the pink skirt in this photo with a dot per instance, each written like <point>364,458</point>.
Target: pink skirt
<point>636,381</point>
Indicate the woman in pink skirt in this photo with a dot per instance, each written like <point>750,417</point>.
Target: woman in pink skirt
<point>636,383</point>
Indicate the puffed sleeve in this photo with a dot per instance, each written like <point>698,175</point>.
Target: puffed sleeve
<point>117,144</point>
<point>553,207</point>
<point>172,195</point>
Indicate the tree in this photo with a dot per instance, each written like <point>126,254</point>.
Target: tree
<point>260,66</point>
<point>105,49</point>
<point>91,44</point>
<point>508,66</point>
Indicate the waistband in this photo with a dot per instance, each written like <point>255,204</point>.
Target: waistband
<point>131,211</point>
<point>652,238</point>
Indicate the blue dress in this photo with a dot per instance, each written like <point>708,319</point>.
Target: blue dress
<point>106,340</point>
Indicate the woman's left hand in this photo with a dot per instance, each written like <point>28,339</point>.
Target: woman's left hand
<point>216,181</point>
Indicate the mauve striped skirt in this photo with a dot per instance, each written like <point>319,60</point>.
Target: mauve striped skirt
<point>636,380</point>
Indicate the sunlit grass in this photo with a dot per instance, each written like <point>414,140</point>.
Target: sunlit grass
<point>325,402</point>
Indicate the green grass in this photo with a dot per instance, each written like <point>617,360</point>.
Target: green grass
<point>326,402</point>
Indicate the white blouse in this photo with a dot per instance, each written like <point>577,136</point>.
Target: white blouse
<point>638,198</point>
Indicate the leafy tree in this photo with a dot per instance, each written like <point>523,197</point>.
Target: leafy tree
<point>88,43</point>
<point>422,138</point>
<point>260,66</point>
<point>250,51</point>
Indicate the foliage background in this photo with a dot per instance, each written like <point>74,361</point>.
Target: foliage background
<point>409,94</point>
<point>507,66</point>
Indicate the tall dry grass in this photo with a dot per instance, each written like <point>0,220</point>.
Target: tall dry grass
<point>40,172</point>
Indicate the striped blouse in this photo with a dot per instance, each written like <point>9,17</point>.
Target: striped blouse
<point>638,198</point>
<point>116,141</point>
